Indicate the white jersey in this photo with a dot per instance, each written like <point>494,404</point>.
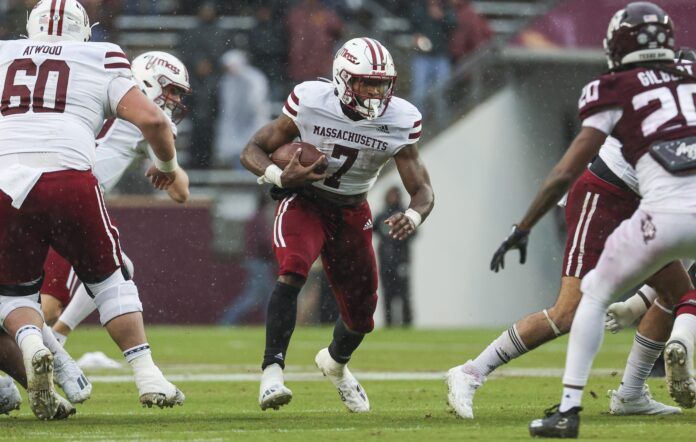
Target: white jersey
<point>357,150</point>
<point>119,143</point>
<point>57,95</point>
<point>611,154</point>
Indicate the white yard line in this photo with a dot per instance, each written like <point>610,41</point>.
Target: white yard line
<point>364,376</point>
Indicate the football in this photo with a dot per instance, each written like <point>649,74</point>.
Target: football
<point>282,156</point>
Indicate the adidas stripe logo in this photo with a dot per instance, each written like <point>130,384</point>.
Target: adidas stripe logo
<point>368,225</point>
<point>383,128</point>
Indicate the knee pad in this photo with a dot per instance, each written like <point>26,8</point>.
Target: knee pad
<point>115,297</point>
<point>8,304</point>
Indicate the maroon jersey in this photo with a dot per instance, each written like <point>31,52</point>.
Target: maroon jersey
<point>655,106</point>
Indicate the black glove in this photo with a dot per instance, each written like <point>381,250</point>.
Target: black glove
<point>516,240</point>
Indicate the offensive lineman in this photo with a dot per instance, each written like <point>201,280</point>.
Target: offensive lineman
<point>57,91</point>
<point>357,123</point>
<point>646,101</point>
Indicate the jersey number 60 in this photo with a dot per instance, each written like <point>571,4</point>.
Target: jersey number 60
<point>35,101</point>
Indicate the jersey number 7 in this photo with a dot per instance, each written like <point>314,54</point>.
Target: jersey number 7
<point>35,101</point>
<point>351,154</point>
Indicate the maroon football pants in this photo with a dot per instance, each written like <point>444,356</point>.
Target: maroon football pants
<point>305,229</point>
<point>65,210</point>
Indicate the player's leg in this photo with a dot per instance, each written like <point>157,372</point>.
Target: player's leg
<point>523,336</point>
<point>298,237</point>
<point>633,397</point>
<point>594,209</point>
<point>59,281</point>
<point>351,268</point>
<point>81,306</point>
<point>86,237</point>
<point>632,252</point>
<point>23,248</point>
<point>11,363</point>
<point>679,353</point>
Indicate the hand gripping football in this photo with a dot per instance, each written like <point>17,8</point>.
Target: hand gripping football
<point>282,156</point>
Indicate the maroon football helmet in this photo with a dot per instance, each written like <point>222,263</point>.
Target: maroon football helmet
<point>640,32</point>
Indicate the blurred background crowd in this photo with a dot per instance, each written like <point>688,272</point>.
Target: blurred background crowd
<point>244,56</point>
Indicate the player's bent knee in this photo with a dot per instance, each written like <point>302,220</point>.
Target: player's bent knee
<point>559,320</point>
<point>115,297</point>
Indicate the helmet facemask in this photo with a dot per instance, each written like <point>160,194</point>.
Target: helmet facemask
<point>368,95</point>
<point>171,102</point>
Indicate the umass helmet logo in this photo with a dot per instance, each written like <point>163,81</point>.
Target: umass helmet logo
<point>155,61</point>
<point>348,56</point>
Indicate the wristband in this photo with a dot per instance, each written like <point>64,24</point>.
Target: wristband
<point>166,166</point>
<point>272,176</point>
<point>414,216</point>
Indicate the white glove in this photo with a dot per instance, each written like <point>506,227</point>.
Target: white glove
<point>618,317</point>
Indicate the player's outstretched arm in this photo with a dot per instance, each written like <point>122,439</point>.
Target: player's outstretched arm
<point>584,147</point>
<point>155,126</point>
<point>416,180</point>
<point>255,156</point>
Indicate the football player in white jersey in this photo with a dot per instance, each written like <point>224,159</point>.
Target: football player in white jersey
<point>359,126</point>
<point>57,90</point>
<point>164,79</point>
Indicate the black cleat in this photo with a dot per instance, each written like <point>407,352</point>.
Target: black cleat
<point>556,424</point>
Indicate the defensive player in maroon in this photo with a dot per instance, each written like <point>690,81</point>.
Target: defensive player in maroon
<point>357,123</point>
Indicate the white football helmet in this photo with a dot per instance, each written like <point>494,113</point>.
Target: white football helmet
<point>58,20</point>
<point>156,72</point>
<point>364,64</point>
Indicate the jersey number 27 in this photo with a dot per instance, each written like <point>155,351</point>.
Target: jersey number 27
<point>23,97</point>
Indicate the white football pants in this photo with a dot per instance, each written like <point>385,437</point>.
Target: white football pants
<point>637,249</point>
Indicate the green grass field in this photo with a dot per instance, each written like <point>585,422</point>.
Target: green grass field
<point>403,410</point>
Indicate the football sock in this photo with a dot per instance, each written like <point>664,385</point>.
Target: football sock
<point>685,331</point>
<point>280,323</point>
<point>572,397</point>
<point>80,306</point>
<point>644,353</point>
<point>136,352</point>
<point>29,339</point>
<point>505,348</point>
<point>344,342</point>
<point>586,337</point>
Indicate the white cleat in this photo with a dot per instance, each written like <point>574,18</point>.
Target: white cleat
<point>680,374</point>
<point>70,377</point>
<point>349,389</point>
<point>155,390</point>
<point>65,409</point>
<point>643,405</point>
<point>273,393</point>
<point>39,367</point>
<point>462,384</point>
<point>10,398</point>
